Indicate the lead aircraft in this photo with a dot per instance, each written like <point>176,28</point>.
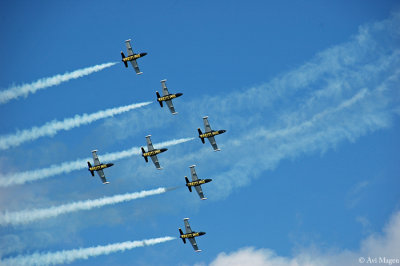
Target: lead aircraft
<point>152,152</point>
<point>190,235</point>
<point>98,167</point>
<point>132,57</point>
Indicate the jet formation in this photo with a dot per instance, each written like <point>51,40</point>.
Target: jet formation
<point>151,152</point>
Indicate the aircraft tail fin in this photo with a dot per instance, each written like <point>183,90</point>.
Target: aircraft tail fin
<point>202,139</point>
<point>181,233</point>
<point>187,181</point>
<point>123,57</point>
<point>90,166</point>
<point>158,96</point>
<point>145,157</point>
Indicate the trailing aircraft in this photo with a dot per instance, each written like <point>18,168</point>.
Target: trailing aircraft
<point>98,167</point>
<point>190,235</point>
<point>196,183</point>
<point>132,57</point>
<point>167,97</point>
<point>152,152</point>
<point>209,134</point>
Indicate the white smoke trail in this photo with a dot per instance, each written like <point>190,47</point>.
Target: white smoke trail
<point>268,134</point>
<point>51,128</point>
<point>23,90</point>
<point>68,256</point>
<point>31,215</point>
<point>67,167</point>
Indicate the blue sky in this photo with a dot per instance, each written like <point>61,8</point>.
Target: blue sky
<point>308,92</point>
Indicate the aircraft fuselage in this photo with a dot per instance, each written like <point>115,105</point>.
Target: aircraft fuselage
<point>212,133</point>
<point>154,152</point>
<point>133,57</point>
<point>169,97</point>
<point>193,234</point>
<point>100,167</point>
<point>198,182</point>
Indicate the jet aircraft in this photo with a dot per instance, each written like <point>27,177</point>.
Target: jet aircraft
<point>196,183</point>
<point>167,97</point>
<point>209,134</point>
<point>152,152</point>
<point>98,167</point>
<point>190,235</point>
<point>131,57</point>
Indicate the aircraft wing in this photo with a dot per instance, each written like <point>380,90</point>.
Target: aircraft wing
<point>164,87</point>
<point>149,144</point>
<point>200,192</point>
<point>213,143</point>
<point>155,161</point>
<point>95,158</point>
<point>194,244</point>
<point>102,176</point>
<point>129,47</point>
<point>136,67</point>
<point>187,226</point>
<point>171,107</point>
<point>193,173</point>
<point>207,126</point>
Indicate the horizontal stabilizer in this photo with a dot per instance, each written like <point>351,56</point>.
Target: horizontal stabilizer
<point>202,139</point>
<point>187,181</point>
<point>90,166</point>
<point>159,96</point>
<point>145,157</point>
<point>123,57</point>
<point>181,233</point>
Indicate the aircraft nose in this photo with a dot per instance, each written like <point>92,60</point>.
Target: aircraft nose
<point>163,150</point>
<point>179,94</point>
<point>143,54</point>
